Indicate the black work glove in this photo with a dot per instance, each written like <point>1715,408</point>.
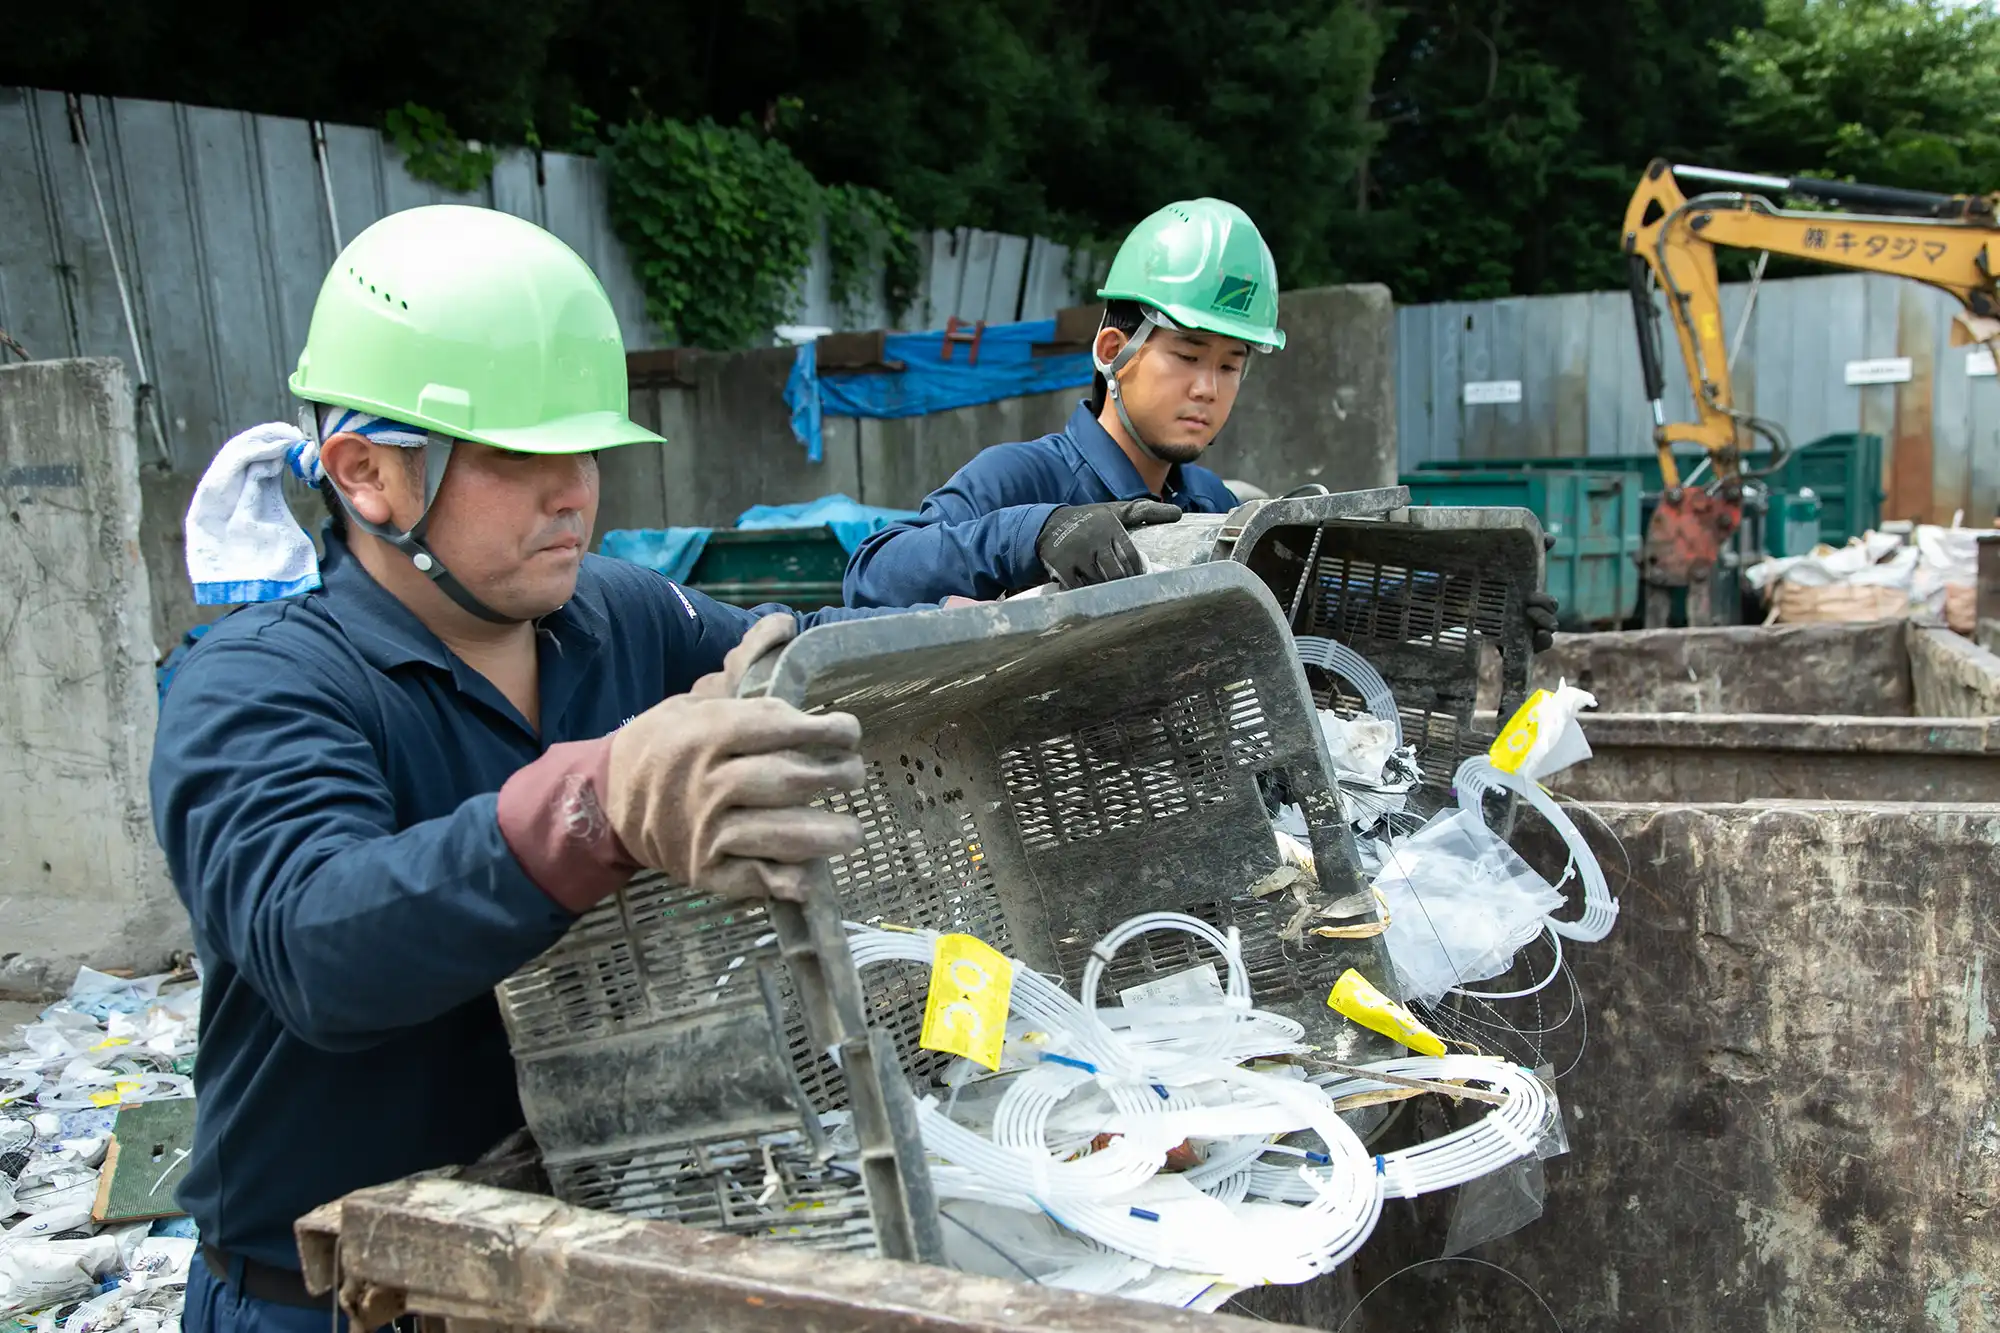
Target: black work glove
<point>1542,620</point>
<point>1542,610</point>
<point>1086,544</point>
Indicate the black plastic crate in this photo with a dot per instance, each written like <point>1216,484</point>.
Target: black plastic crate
<point>1039,771</point>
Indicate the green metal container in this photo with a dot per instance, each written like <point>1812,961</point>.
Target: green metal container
<point>1794,524</point>
<point>1593,568</point>
<point>797,567</point>
<point>1844,471</point>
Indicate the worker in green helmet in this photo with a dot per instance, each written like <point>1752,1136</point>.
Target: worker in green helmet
<point>405,769</point>
<point>1191,305</point>
<point>1191,302</point>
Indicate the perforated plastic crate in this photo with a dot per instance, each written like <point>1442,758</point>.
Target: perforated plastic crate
<point>1038,772</point>
<point>1420,592</point>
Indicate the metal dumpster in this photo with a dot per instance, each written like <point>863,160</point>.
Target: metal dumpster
<point>1844,471</point>
<point>1593,568</point>
<point>796,567</point>
<point>1893,711</point>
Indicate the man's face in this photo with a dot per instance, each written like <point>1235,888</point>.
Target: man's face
<point>1180,388</point>
<point>513,527</point>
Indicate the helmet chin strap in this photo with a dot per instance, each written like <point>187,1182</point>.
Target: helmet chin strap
<point>1109,369</point>
<point>437,457</point>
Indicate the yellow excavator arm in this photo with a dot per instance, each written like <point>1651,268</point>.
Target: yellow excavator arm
<point>1945,241</point>
<point>1951,242</point>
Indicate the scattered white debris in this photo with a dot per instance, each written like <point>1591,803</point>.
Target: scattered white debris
<point>110,1042</point>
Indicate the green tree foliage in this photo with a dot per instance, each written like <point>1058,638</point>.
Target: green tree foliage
<point>1893,92</point>
<point>1515,130</point>
<point>719,223</point>
<point>1451,148</point>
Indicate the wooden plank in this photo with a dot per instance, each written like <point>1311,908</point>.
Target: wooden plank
<point>296,248</point>
<point>1003,289</point>
<point>90,286</point>
<point>1447,382</point>
<point>33,252</point>
<point>1954,427</point>
<point>1877,405</point>
<point>171,297</point>
<point>355,164</point>
<point>1568,349</point>
<point>1616,419</point>
<point>1413,373</point>
<point>947,277</point>
<point>236,279</point>
<point>1511,426</point>
<point>445,1247</point>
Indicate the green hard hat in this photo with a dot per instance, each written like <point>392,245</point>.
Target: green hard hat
<point>1202,264</point>
<point>473,323</point>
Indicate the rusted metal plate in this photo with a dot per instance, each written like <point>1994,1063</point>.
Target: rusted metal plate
<point>1912,484</point>
<point>473,1253</point>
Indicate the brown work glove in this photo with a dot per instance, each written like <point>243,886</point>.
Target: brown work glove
<point>716,791</point>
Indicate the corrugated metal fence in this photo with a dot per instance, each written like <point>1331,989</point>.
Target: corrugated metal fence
<point>1576,361</point>
<point>220,224</point>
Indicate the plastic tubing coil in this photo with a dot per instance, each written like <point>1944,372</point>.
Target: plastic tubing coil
<point>1477,776</point>
<point>1356,670</point>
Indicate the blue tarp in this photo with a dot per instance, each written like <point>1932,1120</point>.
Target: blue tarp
<point>929,383</point>
<point>675,551</point>
<point>851,521</point>
<point>672,551</point>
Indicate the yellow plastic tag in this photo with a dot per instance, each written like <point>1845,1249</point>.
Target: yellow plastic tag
<point>110,1042</point>
<point>1518,736</point>
<point>118,1092</point>
<point>1354,998</point>
<point>966,1012</point>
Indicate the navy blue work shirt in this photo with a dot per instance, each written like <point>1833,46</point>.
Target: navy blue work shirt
<point>324,785</point>
<point>975,535</point>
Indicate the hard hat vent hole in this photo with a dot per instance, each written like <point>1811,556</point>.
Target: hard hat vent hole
<point>405,305</point>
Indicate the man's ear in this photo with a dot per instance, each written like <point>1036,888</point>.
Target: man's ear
<point>1108,344</point>
<point>364,474</point>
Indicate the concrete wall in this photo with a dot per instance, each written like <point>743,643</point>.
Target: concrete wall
<point>1322,410</point>
<point>81,878</point>
<point>1952,675</point>
<point>1754,756</point>
<point>1787,1116</point>
<point>1854,670</point>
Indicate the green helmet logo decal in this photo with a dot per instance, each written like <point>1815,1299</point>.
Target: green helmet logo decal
<point>1235,294</point>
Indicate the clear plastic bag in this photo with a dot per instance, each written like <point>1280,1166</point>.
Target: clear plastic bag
<point>1461,905</point>
<point>1496,1204</point>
